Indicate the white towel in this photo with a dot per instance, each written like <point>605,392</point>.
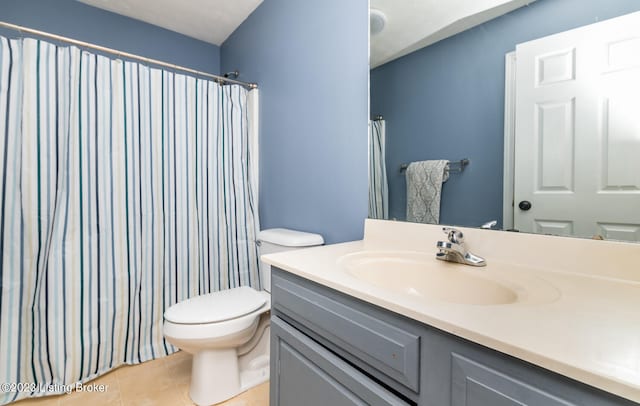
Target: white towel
<point>424,185</point>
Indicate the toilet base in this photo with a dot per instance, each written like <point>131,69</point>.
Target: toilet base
<point>254,365</point>
<point>218,375</point>
<point>214,376</point>
<point>258,374</point>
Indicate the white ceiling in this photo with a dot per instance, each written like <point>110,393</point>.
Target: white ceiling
<point>207,20</point>
<point>411,24</point>
<point>414,24</point>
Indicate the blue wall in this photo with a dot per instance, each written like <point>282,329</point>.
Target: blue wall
<point>76,20</point>
<point>446,101</point>
<point>311,62</point>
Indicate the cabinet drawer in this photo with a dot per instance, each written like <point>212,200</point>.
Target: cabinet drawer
<point>381,347</point>
<point>307,374</point>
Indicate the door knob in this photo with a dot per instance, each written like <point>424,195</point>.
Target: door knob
<point>524,205</point>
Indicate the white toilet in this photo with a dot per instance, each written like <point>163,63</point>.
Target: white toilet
<point>228,331</point>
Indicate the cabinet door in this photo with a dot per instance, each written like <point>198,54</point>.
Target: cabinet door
<point>305,373</point>
<point>474,384</point>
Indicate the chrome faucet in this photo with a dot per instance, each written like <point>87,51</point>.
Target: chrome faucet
<point>489,225</point>
<point>454,250</point>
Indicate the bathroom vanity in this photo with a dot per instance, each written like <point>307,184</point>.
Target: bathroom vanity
<point>531,333</point>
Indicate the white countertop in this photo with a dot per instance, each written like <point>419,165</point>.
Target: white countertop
<point>590,331</point>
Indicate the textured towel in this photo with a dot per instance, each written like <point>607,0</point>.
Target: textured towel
<point>424,184</point>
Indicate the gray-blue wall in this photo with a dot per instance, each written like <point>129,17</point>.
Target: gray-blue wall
<point>446,101</point>
<point>76,20</point>
<point>310,59</point>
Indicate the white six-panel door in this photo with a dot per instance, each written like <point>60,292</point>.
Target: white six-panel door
<point>577,132</point>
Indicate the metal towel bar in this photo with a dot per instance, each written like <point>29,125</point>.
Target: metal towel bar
<point>454,166</point>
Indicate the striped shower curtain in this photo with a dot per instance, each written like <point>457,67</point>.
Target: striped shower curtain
<point>378,188</point>
<point>123,189</point>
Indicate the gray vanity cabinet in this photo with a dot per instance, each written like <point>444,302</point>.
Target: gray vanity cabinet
<point>328,348</point>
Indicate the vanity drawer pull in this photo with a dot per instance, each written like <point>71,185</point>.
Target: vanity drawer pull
<point>380,347</point>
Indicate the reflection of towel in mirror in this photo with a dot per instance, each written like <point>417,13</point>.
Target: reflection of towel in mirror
<point>424,185</point>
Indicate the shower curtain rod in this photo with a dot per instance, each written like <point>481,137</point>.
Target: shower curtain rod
<point>219,79</point>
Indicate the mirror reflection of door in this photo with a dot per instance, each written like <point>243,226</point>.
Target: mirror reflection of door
<point>577,132</point>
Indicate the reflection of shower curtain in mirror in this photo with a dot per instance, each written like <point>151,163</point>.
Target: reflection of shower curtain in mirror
<point>378,192</point>
<point>123,189</point>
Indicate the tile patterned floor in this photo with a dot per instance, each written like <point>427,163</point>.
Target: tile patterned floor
<point>159,382</point>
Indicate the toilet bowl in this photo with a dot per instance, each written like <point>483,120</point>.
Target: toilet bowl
<point>227,332</point>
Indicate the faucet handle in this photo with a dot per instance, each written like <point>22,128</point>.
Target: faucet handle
<point>454,235</point>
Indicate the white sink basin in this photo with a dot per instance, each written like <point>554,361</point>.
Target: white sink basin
<point>422,275</point>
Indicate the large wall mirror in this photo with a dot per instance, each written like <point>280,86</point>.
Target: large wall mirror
<point>535,105</point>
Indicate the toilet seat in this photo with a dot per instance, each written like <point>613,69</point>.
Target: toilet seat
<point>216,307</point>
<point>177,329</point>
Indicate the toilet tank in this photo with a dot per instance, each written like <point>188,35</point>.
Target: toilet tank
<point>281,239</point>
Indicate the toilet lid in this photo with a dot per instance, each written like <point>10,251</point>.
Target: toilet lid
<point>215,307</point>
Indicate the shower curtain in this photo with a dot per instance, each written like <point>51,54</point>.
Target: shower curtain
<point>123,189</point>
<point>378,188</point>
